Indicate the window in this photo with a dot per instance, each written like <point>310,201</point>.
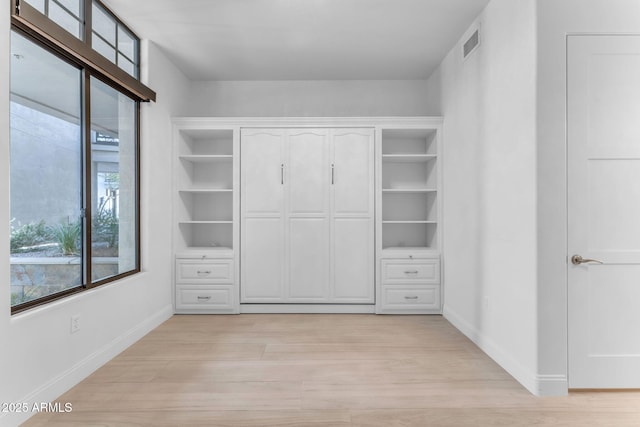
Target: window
<point>65,13</point>
<point>74,121</point>
<point>113,182</point>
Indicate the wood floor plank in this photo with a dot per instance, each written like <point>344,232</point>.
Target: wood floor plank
<point>319,370</point>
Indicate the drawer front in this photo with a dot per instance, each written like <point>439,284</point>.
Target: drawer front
<point>213,298</point>
<point>425,297</point>
<point>423,271</point>
<point>204,271</point>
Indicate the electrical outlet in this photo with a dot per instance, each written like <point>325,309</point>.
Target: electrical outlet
<point>75,323</point>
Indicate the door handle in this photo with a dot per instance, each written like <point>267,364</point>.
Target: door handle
<point>577,260</point>
<point>333,168</point>
<point>282,174</point>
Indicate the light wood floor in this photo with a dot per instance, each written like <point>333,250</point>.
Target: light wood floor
<point>319,370</point>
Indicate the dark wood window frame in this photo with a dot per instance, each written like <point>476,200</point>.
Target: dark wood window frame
<point>37,27</point>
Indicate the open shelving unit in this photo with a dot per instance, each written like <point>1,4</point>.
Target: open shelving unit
<point>409,189</point>
<point>205,189</point>
<point>409,224</point>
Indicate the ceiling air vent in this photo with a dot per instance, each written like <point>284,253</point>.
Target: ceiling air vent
<point>471,44</point>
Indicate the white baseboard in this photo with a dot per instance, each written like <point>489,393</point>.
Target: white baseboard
<point>85,367</point>
<point>539,385</point>
<point>307,308</point>
<point>552,385</point>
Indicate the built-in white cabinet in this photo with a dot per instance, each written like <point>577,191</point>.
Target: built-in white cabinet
<point>307,216</point>
<point>206,230</point>
<point>205,285</point>
<point>409,218</point>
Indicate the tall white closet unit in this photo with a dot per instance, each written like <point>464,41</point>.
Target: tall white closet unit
<point>307,215</point>
<point>307,212</point>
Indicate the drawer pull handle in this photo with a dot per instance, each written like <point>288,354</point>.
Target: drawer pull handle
<point>204,272</point>
<point>411,272</point>
<point>412,297</point>
<point>207,298</point>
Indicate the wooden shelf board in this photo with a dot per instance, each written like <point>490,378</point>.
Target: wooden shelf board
<point>409,190</point>
<point>207,158</point>
<point>205,249</point>
<point>408,158</point>
<point>205,222</point>
<point>408,248</point>
<point>409,222</point>
<point>206,190</point>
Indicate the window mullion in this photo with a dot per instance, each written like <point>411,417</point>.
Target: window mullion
<point>87,20</point>
<point>88,170</point>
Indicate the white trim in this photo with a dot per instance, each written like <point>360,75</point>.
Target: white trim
<point>60,384</point>
<point>308,308</point>
<point>539,385</point>
<point>262,122</point>
<point>552,385</point>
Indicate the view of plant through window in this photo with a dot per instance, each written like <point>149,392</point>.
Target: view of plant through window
<point>74,153</point>
<point>46,166</point>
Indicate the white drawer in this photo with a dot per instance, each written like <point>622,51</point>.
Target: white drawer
<point>423,271</point>
<point>212,271</point>
<point>201,298</point>
<point>425,297</point>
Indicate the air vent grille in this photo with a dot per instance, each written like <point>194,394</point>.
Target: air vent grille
<point>471,44</point>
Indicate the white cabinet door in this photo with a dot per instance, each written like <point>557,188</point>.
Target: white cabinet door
<point>307,215</point>
<point>262,172</point>
<point>307,228</point>
<point>604,211</point>
<point>352,261</point>
<point>352,221</point>
<point>262,207</point>
<point>262,257</point>
<point>307,173</point>
<point>353,184</point>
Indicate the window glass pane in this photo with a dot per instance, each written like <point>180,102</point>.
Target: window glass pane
<point>64,19</point>
<point>72,5</point>
<point>103,24</point>
<point>46,165</point>
<point>126,65</point>
<point>113,188</point>
<point>126,44</point>
<point>103,48</point>
<point>37,4</point>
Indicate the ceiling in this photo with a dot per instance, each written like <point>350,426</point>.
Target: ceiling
<point>301,39</point>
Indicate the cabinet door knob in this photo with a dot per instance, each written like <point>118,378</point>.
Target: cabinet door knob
<point>411,272</point>
<point>204,271</point>
<point>411,297</point>
<point>206,298</point>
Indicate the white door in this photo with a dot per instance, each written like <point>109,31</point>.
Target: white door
<point>604,211</point>
<point>261,199</point>
<point>352,219</point>
<point>307,215</point>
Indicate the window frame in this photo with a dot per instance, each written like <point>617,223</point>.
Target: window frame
<point>39,29</point>
<point>45,31</point>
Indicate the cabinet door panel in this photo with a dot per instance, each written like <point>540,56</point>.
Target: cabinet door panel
<point>308,259</point>
<point>262,260</point>
<point>353,184</point>
<point>262,160</point>
<point>307,172</point>
<point>353,260</point>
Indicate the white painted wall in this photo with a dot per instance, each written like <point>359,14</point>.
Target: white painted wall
<point>556,19</point>
<point>39,358</point>
<point>355,98</point>
<point>489,107</point>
